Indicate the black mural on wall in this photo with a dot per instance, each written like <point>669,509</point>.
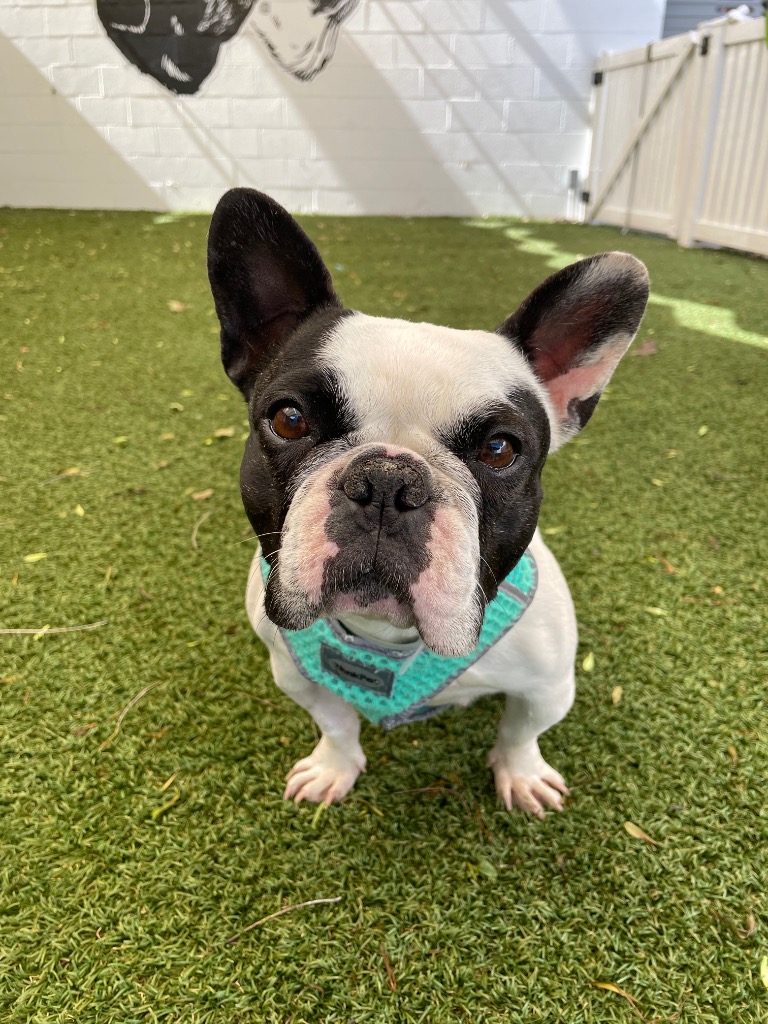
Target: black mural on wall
<point>177,42</point>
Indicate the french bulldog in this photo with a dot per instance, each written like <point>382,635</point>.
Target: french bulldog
<point>392,475</point>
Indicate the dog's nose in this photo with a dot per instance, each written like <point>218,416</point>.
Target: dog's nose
<point>395,482</point>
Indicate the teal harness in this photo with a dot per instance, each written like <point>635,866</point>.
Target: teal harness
<point>391,686</point>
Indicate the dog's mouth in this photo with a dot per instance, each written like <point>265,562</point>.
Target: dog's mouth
<point>388,607</point>
<point>443,625</point>
<point>372,595</point>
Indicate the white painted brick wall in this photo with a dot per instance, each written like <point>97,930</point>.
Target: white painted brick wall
<point>455,107</point>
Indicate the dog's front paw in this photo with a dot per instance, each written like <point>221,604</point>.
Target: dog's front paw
<point>326,775</point>
<point>524,779</point>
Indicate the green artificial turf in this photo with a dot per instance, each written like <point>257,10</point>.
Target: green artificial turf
<point>119,889</point>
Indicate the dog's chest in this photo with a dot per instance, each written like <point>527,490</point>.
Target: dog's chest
<point>393,686</point>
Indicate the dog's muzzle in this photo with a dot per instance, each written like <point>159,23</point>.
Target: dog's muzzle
<point>381,512</point>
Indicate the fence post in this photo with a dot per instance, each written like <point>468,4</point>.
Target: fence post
<point>635,158</point>
<point>703,105</point>
<point>599,104</point>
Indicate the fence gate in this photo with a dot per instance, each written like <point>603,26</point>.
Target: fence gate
<point>680,141</point>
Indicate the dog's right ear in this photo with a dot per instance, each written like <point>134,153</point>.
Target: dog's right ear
<point>266,277</point>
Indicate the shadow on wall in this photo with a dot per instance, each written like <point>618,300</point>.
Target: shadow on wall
<point>371,146</point>
<point>368,146</point>
<point>374,142</point>
<point>379,141</point>
<point>368,165</point>
<point>48,148</point>
<point>550,72</point>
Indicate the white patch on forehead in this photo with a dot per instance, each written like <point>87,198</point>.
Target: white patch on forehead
<point>400,377</point>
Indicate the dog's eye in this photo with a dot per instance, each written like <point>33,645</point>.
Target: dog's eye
<point>289,423</point>
<point>499,452</point>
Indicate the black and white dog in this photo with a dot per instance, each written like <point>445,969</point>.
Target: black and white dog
<point>393,477</point>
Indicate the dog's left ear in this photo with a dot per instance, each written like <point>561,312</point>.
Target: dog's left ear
<point>575,327</point>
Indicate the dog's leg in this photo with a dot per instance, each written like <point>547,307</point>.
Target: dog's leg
<point>523,778</point>
<point>331,769</point>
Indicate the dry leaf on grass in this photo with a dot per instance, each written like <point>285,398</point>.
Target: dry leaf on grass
<point>202,495</point>
<point>159,811</point>
<point>733,754</point>
<point>589,662</point>
<point>74,471</point>
<point>82,730</point>
<point>36,556</point>
<point>279,913</point>
<point>390,973</point>
<point>175,306</point>
<point>752,927</point>
<point>637,833</point>
<point>648,348</point>
<point>486,868</point>
<point>749,931</point>
<point>197,526</point>
<point>37,633</point>
<point>168,782</point>
<point>764,971</point>
<point>224,432</point>
<point>610,987</point>
<point>616,693</point>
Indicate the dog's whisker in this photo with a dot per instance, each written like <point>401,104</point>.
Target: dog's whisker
<point>490,570</point>
<point>255,536</point>
<point>252,572</point>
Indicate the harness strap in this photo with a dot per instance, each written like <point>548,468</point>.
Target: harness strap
<point>391,686</point>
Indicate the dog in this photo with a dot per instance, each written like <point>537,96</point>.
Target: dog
<point>392,475</point>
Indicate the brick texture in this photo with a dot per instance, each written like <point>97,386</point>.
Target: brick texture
<point>428,107</point>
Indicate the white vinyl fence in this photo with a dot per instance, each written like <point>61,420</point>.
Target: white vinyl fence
<point>680,143</point>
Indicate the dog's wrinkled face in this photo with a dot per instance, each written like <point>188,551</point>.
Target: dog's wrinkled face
<point>393,469</point>
<point>376,442</point>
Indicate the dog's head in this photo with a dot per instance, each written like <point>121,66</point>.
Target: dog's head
<point>394,469</point>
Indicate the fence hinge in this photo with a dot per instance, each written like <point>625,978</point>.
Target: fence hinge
<point>585,196</point>
<point>704,48</point>
<point>597,78</point>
